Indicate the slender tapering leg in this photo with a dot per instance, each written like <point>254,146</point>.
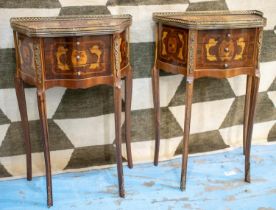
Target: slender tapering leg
<point>118,140</point>
<point>128,97</point>
<point>156,102</point>
<point>187,123</point>
<point>253,99</point>
<point>41,101</point>
<point>20,93</point>
<point>246,110</point>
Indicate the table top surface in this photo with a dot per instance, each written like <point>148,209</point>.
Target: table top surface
<point>213,19</point>
<point>70,25</point>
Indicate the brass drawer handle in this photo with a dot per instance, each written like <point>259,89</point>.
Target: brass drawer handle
<point>78,57</point>
<point>226,65</point>
<point>228,35</point>
<point>79,73</point>
<point>226,49</point>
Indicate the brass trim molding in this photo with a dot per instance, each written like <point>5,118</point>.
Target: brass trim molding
<point>260,42</point>
<point>117,59</point>
<point>192,51</point>
<point>20,24</point>
<point>37,60</point>
<point>172,18</point>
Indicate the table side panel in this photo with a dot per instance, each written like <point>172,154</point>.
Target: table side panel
<point>124,49</point>
<point>26,55</point>
<point>172,45</point>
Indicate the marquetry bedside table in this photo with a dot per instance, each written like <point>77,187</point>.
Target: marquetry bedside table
<point>73,52</point>
<point>218,44</point>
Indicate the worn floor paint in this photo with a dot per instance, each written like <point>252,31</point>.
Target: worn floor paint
<point>214,182</point>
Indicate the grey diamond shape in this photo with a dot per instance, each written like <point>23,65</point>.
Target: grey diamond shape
<point>13,142</point>
<point>204,142</point>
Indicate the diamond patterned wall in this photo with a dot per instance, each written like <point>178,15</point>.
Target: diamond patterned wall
<point>81,123</point>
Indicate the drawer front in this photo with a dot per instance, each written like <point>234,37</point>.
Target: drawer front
<point>224,49</point>
<point>77,57</point>
<point>248,35</point>
<point>173,45</point>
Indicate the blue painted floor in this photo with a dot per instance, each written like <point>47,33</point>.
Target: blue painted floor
<point>214,182</point>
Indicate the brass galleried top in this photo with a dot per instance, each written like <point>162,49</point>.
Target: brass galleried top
<point>70,25</point>
<point>212,19</point>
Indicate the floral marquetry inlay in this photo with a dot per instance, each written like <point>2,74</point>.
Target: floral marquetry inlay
<point>79,58</point>
<point>71,57</point>
<point>96,51</point>
<point>210,44</point>
<point>61,52</point>
<point>26,55</point>
<point>164,35</point>
<point>90,57</point>
<point>124,49</point>
<point>173,45</point>
<point>241,44</point>
<point>225,50</point>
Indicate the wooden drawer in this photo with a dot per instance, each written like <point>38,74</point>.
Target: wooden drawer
<point>248,35</point>
<point>173,45</point>
<point>77,57</point>
<point>224,49</point>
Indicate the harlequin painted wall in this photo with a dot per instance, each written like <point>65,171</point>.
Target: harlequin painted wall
<point>81,122</point>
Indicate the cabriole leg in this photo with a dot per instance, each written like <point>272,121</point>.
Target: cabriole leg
<point>118,141</point>
<point>128,97</point>
<point>253,99</point>
<point>187,123</point>
<point>246,110</point>
<point>41,101</point>
<point>20,93</point>
<point>156,102</point>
